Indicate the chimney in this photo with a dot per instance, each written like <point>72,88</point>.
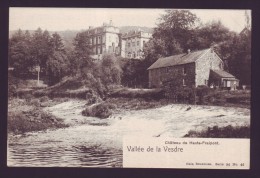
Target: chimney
<point>188,51</point>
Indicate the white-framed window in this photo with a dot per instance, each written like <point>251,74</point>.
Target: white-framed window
<point>183,82</point>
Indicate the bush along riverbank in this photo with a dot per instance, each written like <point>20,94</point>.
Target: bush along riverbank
<point>27,115</point>
<point>222,132</point>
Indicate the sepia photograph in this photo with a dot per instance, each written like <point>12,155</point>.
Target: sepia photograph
<point>82,80</point>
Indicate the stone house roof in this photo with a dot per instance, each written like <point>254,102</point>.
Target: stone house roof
<point>179,59</point>
<point>222,74</point>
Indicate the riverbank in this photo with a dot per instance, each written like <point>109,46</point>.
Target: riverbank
<point>38,114</point>
<point>27,115</point>
<point>160,118</point>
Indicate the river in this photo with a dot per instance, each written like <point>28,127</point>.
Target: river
<point>91,142</point>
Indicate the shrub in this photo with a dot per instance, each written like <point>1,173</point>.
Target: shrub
<point>34,102</point>
<point>102,110</point>
<point>44,99</point>
<point>222,132</point>
<point>32,120</point>
<point>178,93</point>
<point>202,93</point>
<point>27,97</point>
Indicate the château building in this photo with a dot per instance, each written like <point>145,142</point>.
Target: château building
<point>108,39</point>
<point>134,43</point>
<point>104,39</point>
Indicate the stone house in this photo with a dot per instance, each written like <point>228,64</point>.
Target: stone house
<point>193,69</point>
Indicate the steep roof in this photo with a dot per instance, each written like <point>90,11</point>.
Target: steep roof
<point>179,59</point>
<point>223,74</point>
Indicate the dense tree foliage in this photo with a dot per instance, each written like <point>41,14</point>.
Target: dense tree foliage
<point>177,31</point>
<point>80,58</point>
<point>180,30</point>
<point>39,49</point>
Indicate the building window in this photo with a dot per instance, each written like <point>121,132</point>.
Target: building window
<point>184,70</point>
<point>129,55</point>
<point>138,43</point>
<point>113,46</point>
<point>133,43</point>
<point>109,38</point>
<point>99,39</point>
<point>99,51</point>
<point>183,82</point>
<point>129,44</point>
<point>94,40</point>
<point>103,39</point>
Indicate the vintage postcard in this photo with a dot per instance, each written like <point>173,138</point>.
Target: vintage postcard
<point>129,88</point>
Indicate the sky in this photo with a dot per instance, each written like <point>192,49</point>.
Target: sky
<point>59,19</point>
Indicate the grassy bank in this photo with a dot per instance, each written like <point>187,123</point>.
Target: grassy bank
<point>221,132</point>
<point>27,115</point>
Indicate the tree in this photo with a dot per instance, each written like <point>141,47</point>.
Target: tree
<point>57,65</point>
<point>210,34</point>
<point>175,29</point>
<point>240,60</point>
<point>41,49</point>
<point>19,53</point>
<point>111,70</point>
<point>80,57</point>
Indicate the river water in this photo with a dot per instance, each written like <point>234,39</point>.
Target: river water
<point>98,143</point>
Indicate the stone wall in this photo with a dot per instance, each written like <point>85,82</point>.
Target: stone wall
<point>208,61</point>
<point>181,75</point>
